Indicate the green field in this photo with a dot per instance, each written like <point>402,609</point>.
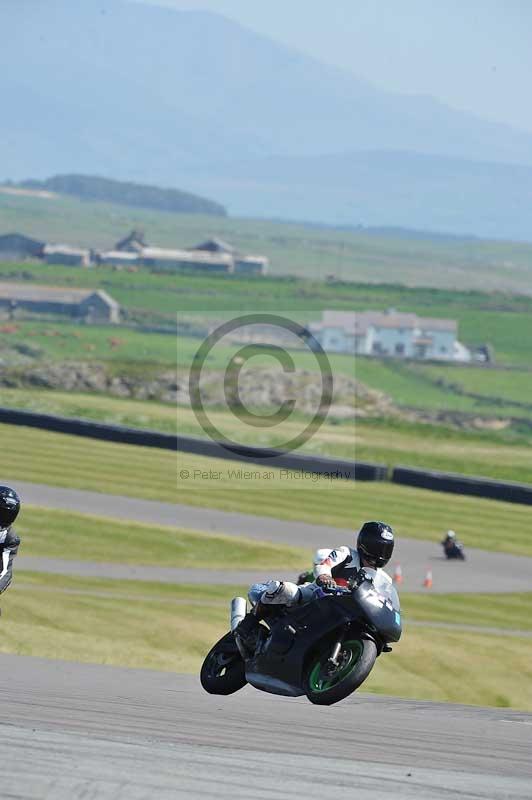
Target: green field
<point>293,248</point>
<point>457,667</point>
<point>99,407</point>
<point>499,392</point>
<point>504,320</point>
<point>499,318</point>
<point>57,340</point>
<point>82,537</point>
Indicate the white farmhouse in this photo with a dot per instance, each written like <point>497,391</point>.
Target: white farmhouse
<point>389,333</point>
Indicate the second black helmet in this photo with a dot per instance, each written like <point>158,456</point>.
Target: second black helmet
<point>375,543</point>
<point>9,506</point>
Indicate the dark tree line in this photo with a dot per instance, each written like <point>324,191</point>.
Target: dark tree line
<point>88,187</point>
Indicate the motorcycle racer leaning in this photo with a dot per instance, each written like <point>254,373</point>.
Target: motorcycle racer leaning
<point>9,541</point>
<point>374,548</point>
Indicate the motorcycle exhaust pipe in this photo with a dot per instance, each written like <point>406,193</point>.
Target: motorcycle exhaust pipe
<point>238,611</point>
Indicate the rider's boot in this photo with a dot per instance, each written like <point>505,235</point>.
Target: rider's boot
<point>247,634</point>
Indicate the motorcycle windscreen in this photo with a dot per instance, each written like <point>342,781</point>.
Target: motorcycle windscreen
<point>384,586</point>
<point>382,605</point>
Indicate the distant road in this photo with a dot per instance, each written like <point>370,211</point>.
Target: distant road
<point>483,572</point>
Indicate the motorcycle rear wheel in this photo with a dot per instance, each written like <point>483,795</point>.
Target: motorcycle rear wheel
<point>223,671</point>
<point>324,686</point>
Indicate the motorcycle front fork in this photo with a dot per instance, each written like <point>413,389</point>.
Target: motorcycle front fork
<point>332,661</point>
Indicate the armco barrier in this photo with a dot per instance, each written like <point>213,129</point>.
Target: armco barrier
<point>93,430</point>
<point>348,470</point>
<point>463,484</point>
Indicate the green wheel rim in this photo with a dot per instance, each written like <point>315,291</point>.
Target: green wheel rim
<point>318,683</point>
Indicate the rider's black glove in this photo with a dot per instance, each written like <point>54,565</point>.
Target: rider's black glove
<point>326,582</point>
<point>361,576</point>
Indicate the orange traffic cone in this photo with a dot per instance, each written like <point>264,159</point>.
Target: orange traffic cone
<point>427,583</point>
<point>398,574</point>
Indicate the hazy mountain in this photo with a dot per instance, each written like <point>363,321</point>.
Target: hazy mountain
<point>145,93</point>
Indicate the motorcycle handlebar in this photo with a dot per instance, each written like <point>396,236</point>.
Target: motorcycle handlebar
<point>339,590</point>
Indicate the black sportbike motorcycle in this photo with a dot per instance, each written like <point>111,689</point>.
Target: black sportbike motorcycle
<point>324,649</point>
<point>454,550</point>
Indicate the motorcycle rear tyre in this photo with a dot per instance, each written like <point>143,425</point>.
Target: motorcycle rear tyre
<point>223,671</point>
<point>365,651</point>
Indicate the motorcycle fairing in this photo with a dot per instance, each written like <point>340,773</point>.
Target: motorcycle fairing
<point>278,666</point>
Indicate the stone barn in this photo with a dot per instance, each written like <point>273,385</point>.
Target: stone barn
<point>16,247</point>
<point>85,305</point>
<point>62,254</point>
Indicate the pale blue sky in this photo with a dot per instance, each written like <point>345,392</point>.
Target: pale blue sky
<point>474,55</point>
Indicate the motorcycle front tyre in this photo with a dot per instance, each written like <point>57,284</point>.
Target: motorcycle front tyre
<point>223,671</point>
<point>324,688</point>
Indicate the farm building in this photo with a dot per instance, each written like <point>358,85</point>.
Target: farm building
<point>67,256</point>
<point>212,255</point>
<point>134,242</point>
<point>83,304</point>
<point>215,245</point>
<point>119,258</point>
<point>16,247</point>
<point>389,333</point>
<point>244,264</point>
<point>186,259</point>
<point>251,265</point>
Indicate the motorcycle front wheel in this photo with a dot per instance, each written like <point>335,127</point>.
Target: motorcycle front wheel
<point>325,684</point>
<point>223,671</point>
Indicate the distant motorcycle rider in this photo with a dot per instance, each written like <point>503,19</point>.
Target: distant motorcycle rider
<point>452,547</point>
<point>9,541</point>
<point>374,548</point>
<point>450,540</point>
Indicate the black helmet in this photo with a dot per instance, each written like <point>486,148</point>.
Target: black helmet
<point>375,543</point>
<point>9,506</point>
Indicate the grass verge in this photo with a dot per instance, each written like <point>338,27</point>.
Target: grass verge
<point>513,610</point>
<point>80,537</point>
<point>457,667</point>
<point>110,622</point>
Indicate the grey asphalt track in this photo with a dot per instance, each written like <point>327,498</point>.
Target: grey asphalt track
<point>72,731</point>
<point>483,572</point>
